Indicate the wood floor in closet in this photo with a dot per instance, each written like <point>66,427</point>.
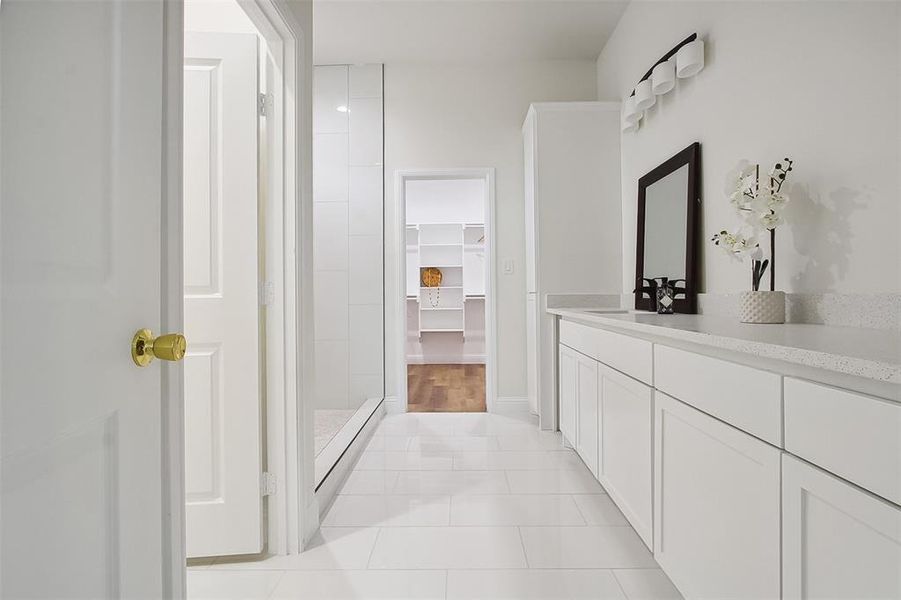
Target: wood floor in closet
<point>446,388</point>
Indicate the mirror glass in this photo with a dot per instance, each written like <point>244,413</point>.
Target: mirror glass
<point>666,226</point>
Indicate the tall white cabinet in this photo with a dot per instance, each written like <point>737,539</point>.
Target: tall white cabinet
<point>571,163</point>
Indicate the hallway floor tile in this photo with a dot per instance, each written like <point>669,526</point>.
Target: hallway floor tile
<point>460,506</point>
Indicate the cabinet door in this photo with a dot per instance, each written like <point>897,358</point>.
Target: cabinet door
<point>528,139</point>
<point>625,468</point>
<point>532,352</point>
<point>587,436</point>
<point>567,393</point>
<point>716,505</point>
<point>837,540</point>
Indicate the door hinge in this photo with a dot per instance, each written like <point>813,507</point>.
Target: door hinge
<point>269,484</point>
<point>267,293</point>
<point>263,104</point>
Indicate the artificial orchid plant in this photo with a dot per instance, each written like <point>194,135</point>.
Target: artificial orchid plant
<point>760,207</point>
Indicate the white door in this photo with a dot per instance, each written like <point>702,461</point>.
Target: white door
<point>838,541</point>
<point>222,381</point>
<point>82,200</point>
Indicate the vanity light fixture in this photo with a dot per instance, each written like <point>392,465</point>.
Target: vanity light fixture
<point>644,95</point>
<point>690,59</point>
<point>684,60</point>
<point>629,127</point>
<point>631,114</point>
<point>663,77</point>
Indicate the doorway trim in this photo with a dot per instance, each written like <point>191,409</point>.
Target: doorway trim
<point>287,379</point>
<point>292,514</point>
<point>401,176</point>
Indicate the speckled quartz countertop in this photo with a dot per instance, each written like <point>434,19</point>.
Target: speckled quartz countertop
<point>869,354</point>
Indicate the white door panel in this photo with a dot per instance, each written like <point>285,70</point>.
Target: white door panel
<point>838,541</point>
<point>626,440</point>
<point>567,393</point>
<point>716,505</point>
<point>587,394</point>
<point>81,175</point>
<point>222,385</point>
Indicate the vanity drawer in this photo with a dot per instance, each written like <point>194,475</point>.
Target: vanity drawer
<point>746,398</point>
<point>854,436</point>
<point>627,354</point>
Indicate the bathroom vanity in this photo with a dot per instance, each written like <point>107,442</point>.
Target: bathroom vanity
<point>754,461</point>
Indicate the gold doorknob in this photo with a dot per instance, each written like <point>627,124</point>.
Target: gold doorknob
<point>144,347</point>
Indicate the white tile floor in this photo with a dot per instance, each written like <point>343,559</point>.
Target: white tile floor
<point>457,506</point>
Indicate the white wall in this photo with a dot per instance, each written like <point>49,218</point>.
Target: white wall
<point>445,116</point>
<point>445,201</point>
<point>347,234</point>
<point>817,81</point>
<point>224,16</point>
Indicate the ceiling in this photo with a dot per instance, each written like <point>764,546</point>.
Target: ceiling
<point>461,31</point>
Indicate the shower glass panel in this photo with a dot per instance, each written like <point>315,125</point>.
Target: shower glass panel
<point>348,205</point>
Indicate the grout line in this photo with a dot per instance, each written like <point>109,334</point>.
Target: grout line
<point>435,569</point>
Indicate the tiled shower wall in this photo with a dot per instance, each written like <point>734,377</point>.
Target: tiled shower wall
<point>348,196</point>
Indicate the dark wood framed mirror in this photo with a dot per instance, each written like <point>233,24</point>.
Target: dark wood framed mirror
<point>669,206</point>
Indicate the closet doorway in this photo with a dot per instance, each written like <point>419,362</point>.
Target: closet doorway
<point>448,317</point>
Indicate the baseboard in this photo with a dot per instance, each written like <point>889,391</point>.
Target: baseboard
<point>511,404</point>
<point>393,405</point>
<point>446,359</point>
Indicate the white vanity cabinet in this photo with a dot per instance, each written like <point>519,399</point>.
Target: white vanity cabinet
<point>626,426</point>
<point>838,541</point>
<point>612,415</point>
<point>578,392</point>
<point>567,393</point>
<point>747,481</point>
<point>716,505</point>
<point>587,402</point>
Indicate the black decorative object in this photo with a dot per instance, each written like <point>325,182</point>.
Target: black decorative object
<point>667,244</point>
<point>666,295</point>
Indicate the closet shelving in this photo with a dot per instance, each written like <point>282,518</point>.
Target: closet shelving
<point>458,249</point>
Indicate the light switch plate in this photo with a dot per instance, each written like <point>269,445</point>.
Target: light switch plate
<point>508,266</point>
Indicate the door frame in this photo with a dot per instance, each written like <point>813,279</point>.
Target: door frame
<point>292,513</point>
<point>401,176</point>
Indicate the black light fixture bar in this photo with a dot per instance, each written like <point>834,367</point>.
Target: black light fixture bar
<point>666,57</point>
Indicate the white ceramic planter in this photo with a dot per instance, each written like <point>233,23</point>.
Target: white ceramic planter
<point>762,307</point>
